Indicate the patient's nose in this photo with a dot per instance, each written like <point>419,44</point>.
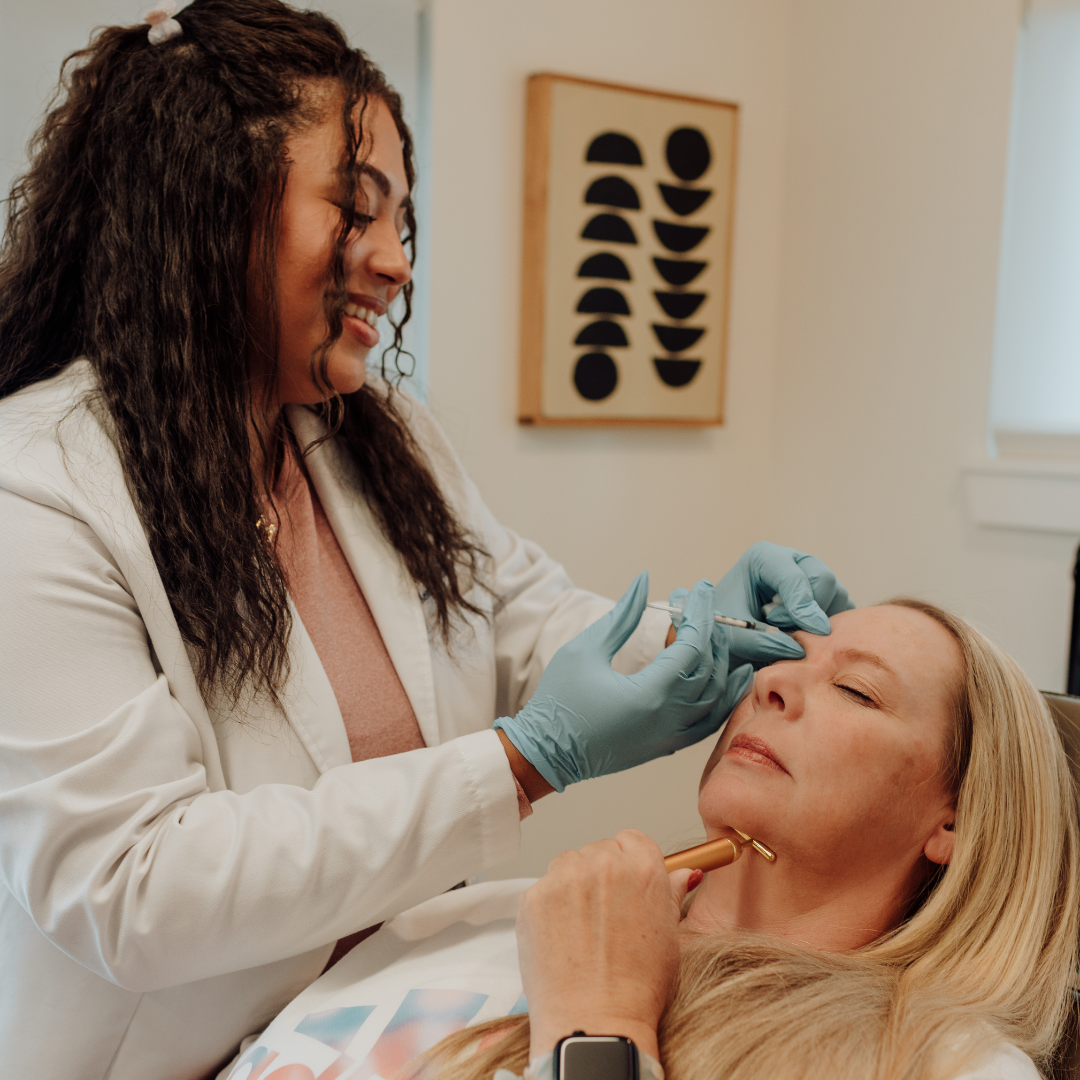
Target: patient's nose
<point>779,690</point>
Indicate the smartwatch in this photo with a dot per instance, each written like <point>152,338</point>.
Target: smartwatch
<point>595,1057</point>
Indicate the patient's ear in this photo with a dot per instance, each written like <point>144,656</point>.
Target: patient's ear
<point>939,848</point>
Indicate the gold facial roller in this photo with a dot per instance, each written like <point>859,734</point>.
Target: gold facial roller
<point>716,853</point>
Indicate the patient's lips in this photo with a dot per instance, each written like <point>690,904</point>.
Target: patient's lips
<point>756,750</point>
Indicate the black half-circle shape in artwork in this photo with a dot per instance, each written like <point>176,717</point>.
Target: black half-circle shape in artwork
<point>603,302</point>
<point>604,265</point>
<point>676,372</point>
<point>595,376</point>
<point>679,305</point>
<point>602,332</point>
<point>679,237</point>
<point>610,228</point>
<point>676,272</point>
<point>683,201</point>
<point>614,191</point>
<point>687,152</point>
<point>614,149</point>
<point>675,338</point>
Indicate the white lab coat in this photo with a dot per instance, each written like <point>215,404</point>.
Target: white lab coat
<point>172,876</point>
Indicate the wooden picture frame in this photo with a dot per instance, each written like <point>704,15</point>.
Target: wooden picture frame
<point>629,202</point>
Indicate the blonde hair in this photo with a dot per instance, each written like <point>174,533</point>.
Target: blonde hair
<point>989,952</point>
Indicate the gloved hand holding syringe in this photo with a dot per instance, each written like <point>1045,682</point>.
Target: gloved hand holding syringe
<point>676,613</point>
<point>586,720</point>
<point>807,591</point>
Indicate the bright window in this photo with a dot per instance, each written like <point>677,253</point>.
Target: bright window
<point>1035,402</point>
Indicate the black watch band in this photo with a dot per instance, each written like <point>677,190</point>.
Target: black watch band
<point>595,1057</point>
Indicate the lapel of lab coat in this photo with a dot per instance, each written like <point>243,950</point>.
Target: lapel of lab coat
<point>90,467</point>
<point>390,592</point>
<point>311,706</point>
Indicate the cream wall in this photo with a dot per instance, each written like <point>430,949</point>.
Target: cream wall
<point>893,191</point>
<point>681,504</point>
<point>873,152</point>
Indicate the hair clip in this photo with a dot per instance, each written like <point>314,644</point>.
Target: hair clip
<point>162,24</point>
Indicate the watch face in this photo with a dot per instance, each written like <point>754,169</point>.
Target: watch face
<point>596,1057</point>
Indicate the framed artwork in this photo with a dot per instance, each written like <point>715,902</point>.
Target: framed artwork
<point>627,251</point>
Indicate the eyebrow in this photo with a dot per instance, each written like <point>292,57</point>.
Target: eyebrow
<point>868,658</point>
<point>382,181</point>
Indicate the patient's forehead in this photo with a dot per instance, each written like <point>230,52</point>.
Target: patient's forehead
<point>923,658</point>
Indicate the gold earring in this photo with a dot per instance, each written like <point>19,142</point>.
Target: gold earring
<point>268,527</point>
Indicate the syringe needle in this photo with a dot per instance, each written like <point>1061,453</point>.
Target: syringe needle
<point>726,620</point>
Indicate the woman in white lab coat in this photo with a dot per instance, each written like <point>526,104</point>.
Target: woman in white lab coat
<point>197,799</point>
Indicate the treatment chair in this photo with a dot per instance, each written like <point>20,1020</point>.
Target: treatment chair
<point>1066,711</point>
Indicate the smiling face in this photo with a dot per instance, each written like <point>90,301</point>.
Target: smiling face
<point>837,760</point>
<point>376,263</point>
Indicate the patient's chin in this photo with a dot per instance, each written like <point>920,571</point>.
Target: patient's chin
<point>730,799</point>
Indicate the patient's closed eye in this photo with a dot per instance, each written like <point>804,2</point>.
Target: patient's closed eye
<point>858,695</point>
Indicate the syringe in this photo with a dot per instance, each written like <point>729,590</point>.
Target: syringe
<point>745,624</point>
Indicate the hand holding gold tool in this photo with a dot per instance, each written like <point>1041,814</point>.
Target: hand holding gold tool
<point>716,853</point>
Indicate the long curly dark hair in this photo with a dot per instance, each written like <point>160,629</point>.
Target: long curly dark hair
<point>155,179</point>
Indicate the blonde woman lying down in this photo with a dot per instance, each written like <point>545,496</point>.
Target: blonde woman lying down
<point>920,919</point>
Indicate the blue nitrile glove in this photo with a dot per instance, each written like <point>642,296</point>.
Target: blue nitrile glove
<point>587,720</point>
<point>808,590</point>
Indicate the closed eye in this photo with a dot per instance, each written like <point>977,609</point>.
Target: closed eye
<point>858,695</point>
